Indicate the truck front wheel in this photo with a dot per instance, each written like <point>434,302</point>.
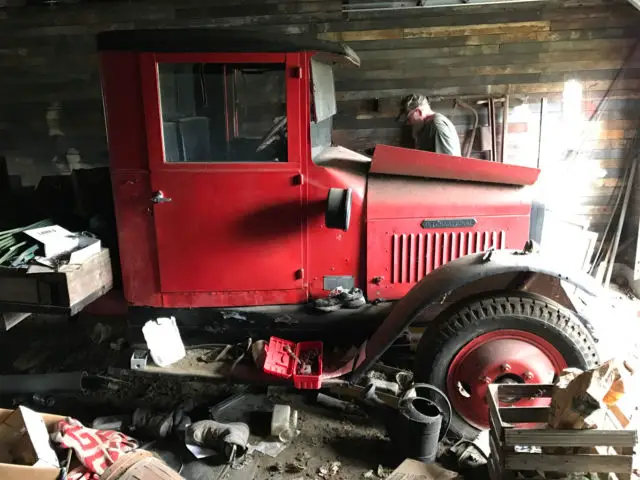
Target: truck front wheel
<point>502,338</point>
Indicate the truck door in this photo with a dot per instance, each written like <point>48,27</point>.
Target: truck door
<point>224,157</point>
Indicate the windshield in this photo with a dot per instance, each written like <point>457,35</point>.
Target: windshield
<point>323,106</point>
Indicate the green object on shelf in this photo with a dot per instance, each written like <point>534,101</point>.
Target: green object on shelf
<point>11,241</point>
<point>11,252</point>
<point>25,256</point>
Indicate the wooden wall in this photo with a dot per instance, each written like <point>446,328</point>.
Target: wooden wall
<point>51,114</point>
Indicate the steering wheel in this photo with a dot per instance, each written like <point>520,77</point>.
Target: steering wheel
<point>277,129</point>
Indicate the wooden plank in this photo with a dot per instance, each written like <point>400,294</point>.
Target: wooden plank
<point>593,11</point>
<point>480,70</point>
<point>496,447</point>
<point>487,29</point>
<point>571,45</point>
<point>388,42</point>
<point>435,83</point>
<point>425,53</point>
<point>570,438</point>
<point>568,463</point>
<point>237,9</point>
<point>399,62</point>
<point>19,289</point>
<point>477,90</point>
<point>619,415</point>
<point>429,18</point>
<point>524,414</point>
<point>569,23</point>
<point>93,275</point>
<point>629,451</point>
<point>496,422</point>
<point>495,472</point>
<point>363,35</point>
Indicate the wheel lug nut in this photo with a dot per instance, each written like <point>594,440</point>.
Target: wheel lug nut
<point>485,380</point>
<point>505,367</point>
<point>528,376</point>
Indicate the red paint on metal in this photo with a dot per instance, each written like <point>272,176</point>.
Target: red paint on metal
<point>330,252</point>
<point>224,299</point>
<point>252,242</point>
<point>129,175</point>
<point>484,358</point>
<point>236,233</point>
<point>394,197</point>
<point>390,253</point>
<point>416,163</point>
<point>231,227</point>
<point>195,251</point>
<point>397,206</point>
<point>120,80</point>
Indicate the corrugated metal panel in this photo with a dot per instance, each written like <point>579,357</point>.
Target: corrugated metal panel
<point>414,255</point>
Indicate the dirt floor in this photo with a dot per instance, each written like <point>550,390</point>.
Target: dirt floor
<point>331,444</point>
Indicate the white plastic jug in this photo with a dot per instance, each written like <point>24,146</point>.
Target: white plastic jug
<point>164,341</point>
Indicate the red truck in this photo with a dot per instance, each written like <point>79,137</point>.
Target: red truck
<point>230,196</point>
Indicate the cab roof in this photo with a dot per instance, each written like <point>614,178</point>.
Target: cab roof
<point>210,40</point>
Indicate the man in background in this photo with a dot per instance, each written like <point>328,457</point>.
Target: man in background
<point>432,132</point>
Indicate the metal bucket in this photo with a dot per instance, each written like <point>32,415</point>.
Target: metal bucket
<point>423,422</point>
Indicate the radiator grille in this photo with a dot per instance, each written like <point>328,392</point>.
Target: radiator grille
<point>416,254</point>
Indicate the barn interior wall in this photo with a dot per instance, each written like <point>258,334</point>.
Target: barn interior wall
<point>51,116</point>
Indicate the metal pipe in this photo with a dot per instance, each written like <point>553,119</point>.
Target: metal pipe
<point>492,128</point>
<point>623,213</point>
<point>41,383</point>
<point>543,104</point>
<point>505,127</point>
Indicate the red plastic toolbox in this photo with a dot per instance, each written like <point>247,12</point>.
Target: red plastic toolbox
<point>313,381</point>
<point>280,363</point>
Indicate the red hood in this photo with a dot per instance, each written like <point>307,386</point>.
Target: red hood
<point>417,163</point>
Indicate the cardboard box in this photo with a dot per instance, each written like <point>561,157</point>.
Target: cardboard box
<point>414,470</point>
<point>24,434</point>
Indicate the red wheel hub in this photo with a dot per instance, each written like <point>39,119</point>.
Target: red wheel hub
<point>503,356</point>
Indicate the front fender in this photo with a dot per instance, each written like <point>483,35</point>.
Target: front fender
<point>443,282</point>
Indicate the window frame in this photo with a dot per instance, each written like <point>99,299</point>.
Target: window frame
<point>153,115</point>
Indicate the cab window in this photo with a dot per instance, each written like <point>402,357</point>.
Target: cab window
<point>215,112</point>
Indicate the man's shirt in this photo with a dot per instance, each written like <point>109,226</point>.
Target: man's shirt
<point>438,135</point>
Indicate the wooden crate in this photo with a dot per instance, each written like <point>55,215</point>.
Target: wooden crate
<point>611,448</point>
<point>65,291</point>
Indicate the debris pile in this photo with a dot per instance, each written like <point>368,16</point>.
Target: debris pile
<point>580,399</point>
<point>62,447</point>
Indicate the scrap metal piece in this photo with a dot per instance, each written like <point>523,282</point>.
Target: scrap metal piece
<point>139,359</point>
<point>42,383</point>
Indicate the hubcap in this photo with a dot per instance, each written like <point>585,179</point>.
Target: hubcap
<point>503,356</point>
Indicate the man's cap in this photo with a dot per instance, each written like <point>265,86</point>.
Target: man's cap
<point>409,103</point>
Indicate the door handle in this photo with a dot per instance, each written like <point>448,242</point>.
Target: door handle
<point>158,197</point>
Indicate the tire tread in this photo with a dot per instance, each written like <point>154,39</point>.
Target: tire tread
<point>451,323</point>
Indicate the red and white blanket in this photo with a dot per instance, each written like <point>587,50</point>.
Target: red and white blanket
<point>96,449</point>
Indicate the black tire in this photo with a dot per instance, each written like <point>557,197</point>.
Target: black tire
<point>445,336</point>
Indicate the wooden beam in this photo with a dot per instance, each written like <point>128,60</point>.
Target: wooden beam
<point>569,463</point>
<point>570,438</point>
